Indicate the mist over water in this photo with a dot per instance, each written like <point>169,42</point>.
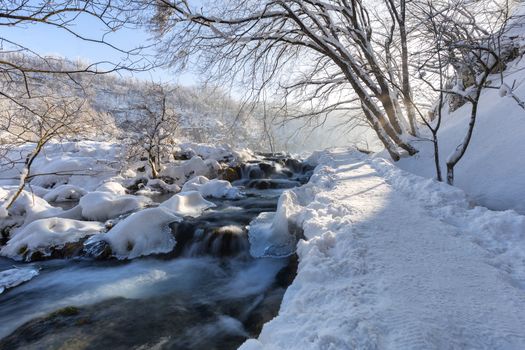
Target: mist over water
<point>298,136</point>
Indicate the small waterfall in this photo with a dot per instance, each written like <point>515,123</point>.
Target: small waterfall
<point>225,241</point>
<point>196,239</point>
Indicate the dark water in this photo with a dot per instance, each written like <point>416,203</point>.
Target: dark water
<point>207,294</point>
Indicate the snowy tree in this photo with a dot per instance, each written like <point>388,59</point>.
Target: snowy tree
<point>37,121</point>
<point>465,46</point>
<point>330,54</point>
<point>44,97</point>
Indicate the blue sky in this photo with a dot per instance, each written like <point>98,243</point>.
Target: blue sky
<point>47,40</point>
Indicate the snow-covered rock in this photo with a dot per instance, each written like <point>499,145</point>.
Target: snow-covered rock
<point>112,187</point>
<point>28,207</point>
<point>142,233</point>
<point>219,153</point>
<point>64,193</point>
<point>158,183</point>
<point>187,204</point>
<point>212,188</point>
<point>44,234</point>
<point>102,206</point>
<point>191,168</point>
<point>81,163</point>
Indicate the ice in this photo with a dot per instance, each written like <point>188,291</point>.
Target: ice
<point>14,277</point>
<point>275,234</point>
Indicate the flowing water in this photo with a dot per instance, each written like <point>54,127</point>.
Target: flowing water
<point>207,294</point>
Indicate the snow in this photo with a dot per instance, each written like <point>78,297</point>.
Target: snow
<point>391,260</point>
<point>16,276</point>
<point>112,187</point>
<point>102,206</point>
<point>81,163</point>
<point>189,203</point>
<point>143,233</point>
<point>212,188</point>
<point>3,212</point>
<point>43,234</point>
<point>64,193</point>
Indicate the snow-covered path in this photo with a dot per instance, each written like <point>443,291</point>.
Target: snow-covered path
<point>394,261</point>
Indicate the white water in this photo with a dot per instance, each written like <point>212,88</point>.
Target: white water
<point>63,283</point>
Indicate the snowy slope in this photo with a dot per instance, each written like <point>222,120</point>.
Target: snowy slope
<point>492,171</point>
<point>395,261</point>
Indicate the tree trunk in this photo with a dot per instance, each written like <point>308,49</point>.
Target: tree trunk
<point>439,177</point>
<point>25,175</point>
<point>450,174</point>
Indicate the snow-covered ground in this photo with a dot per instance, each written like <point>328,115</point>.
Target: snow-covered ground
<point>395,261</point>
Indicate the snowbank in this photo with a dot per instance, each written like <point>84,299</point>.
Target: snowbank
<point>44,234</point>
<point>212,188</point>
<point>143,233</point>
<point>187,204</point>
<point>102,206</point>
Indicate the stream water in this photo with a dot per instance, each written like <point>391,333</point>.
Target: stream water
<point>209,293</point>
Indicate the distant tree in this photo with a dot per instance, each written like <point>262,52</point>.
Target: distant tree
<point>150,126</point>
